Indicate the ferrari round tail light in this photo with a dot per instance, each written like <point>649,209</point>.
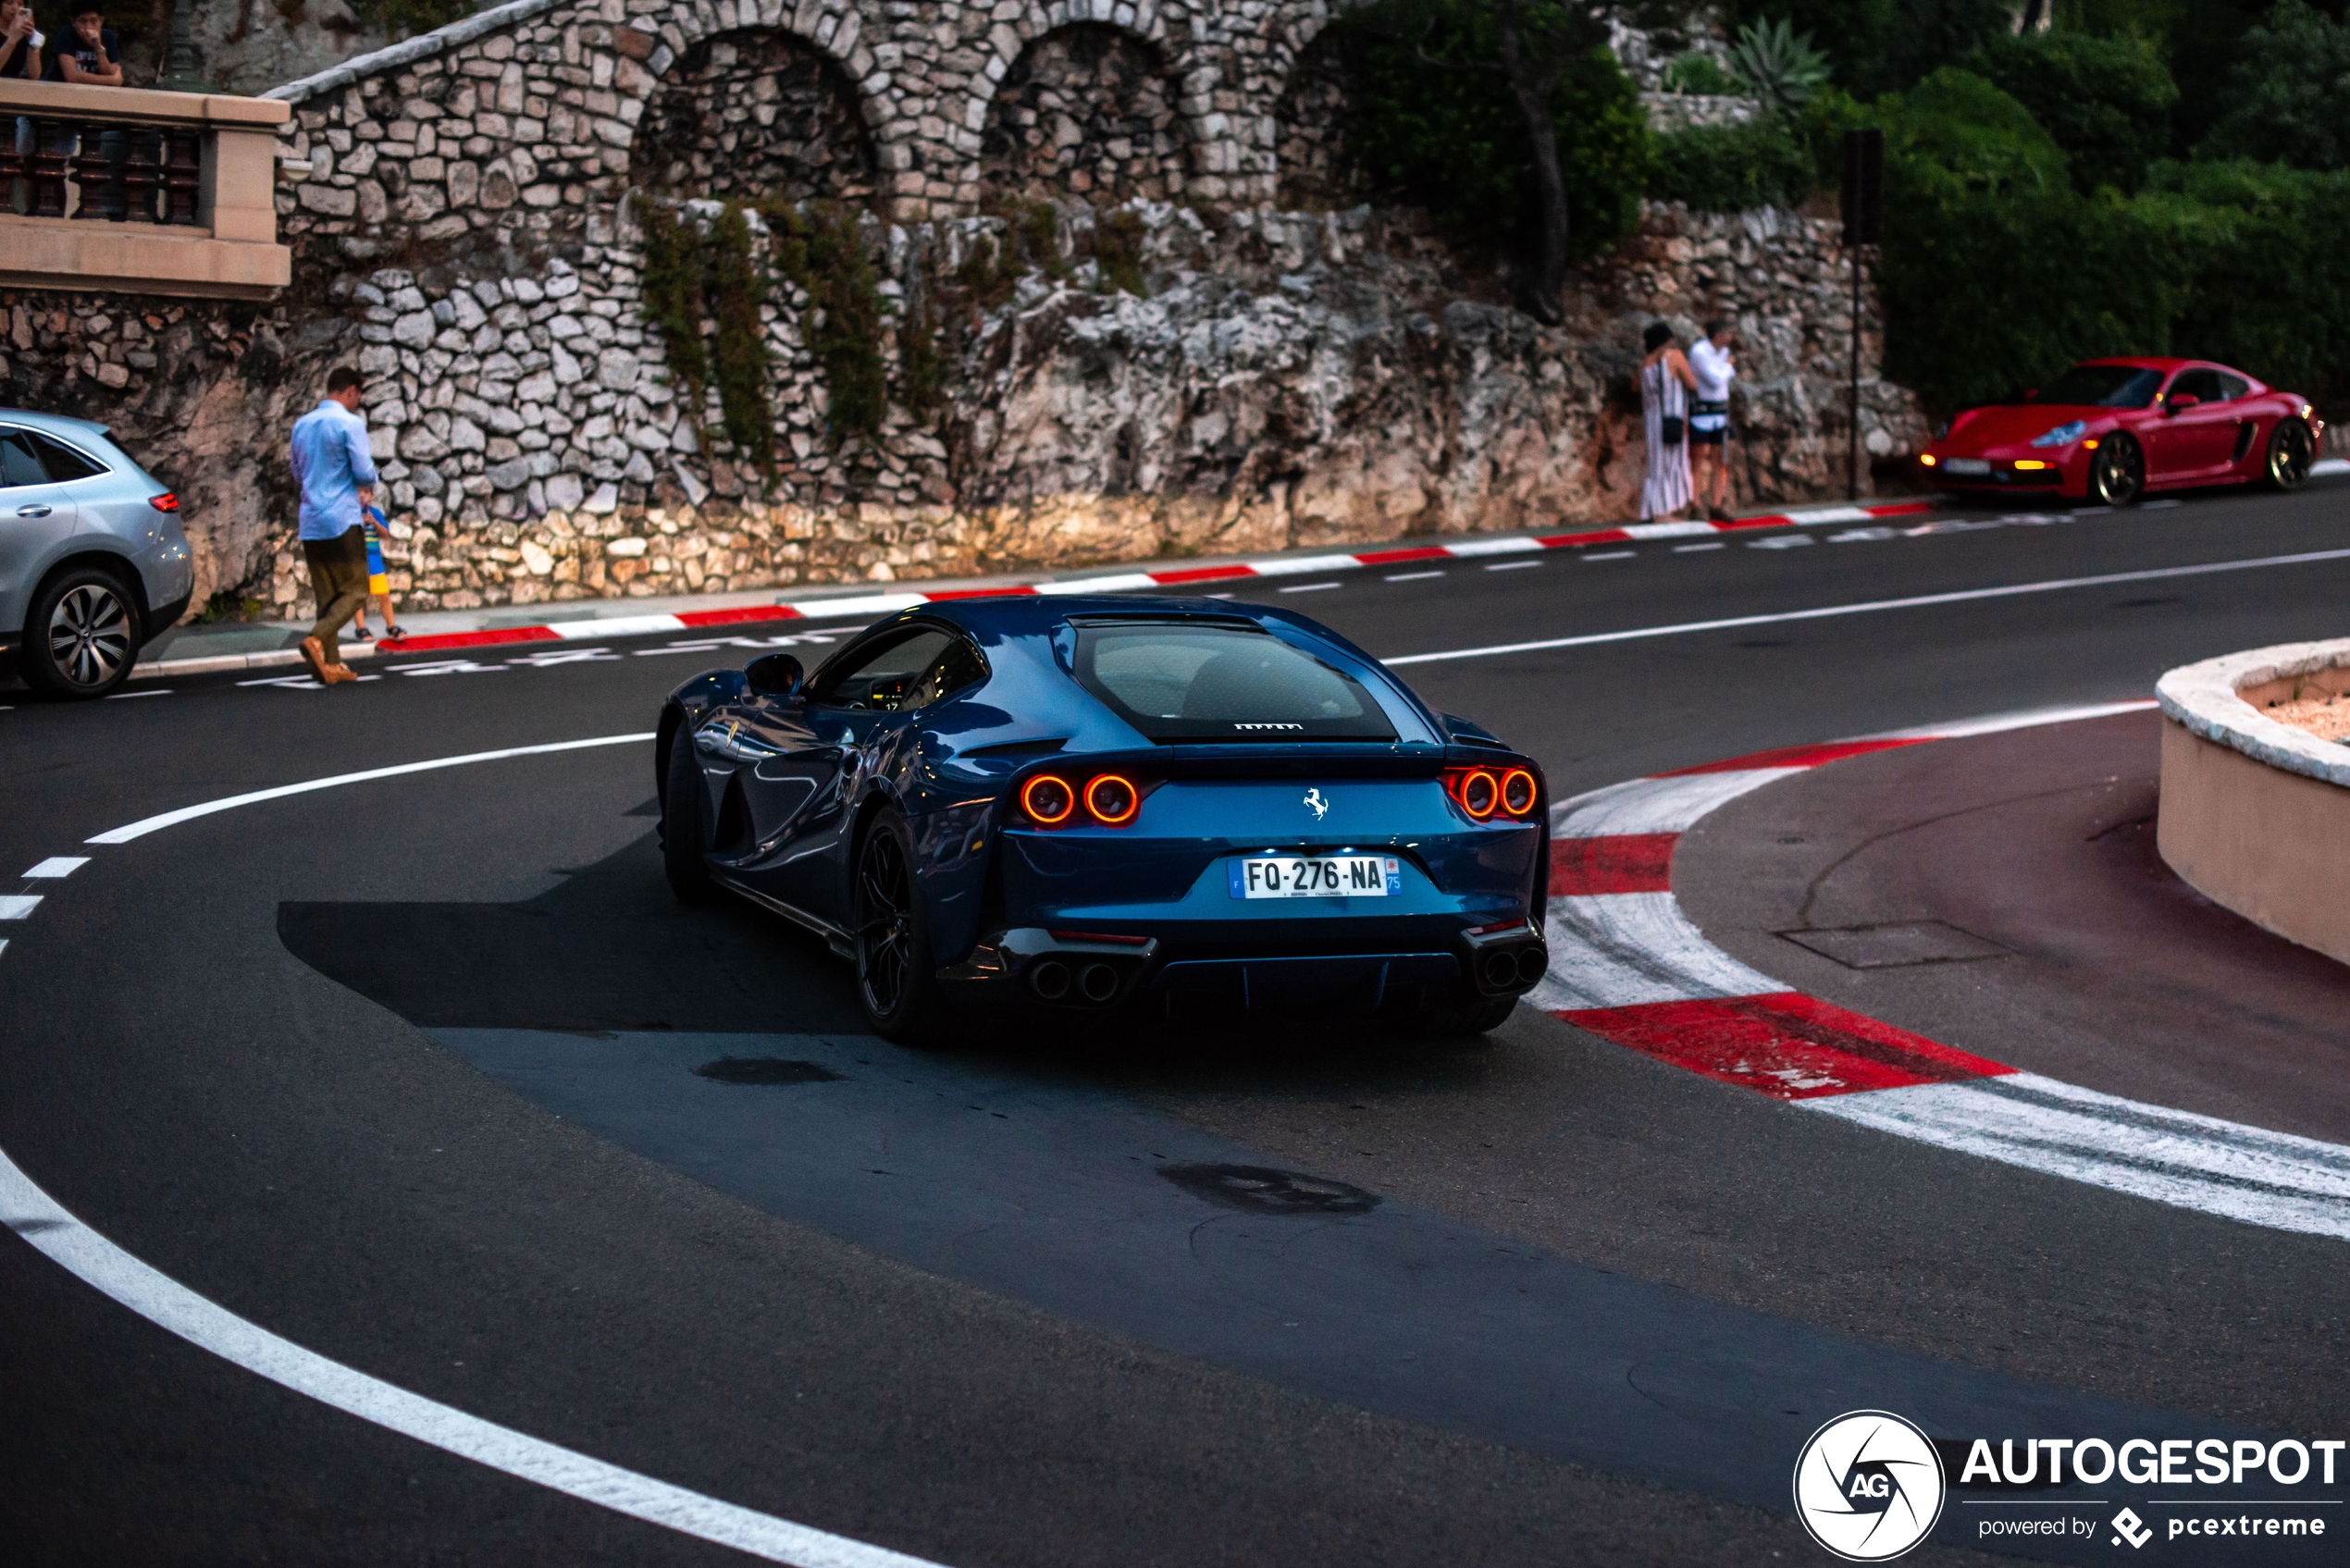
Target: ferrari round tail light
<point>1111,799</point>
<point>1517,791</point>
<point>1479,792</point>
<point>1047,799</point>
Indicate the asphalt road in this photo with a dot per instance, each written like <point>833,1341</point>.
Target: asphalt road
<point>401,1071</point>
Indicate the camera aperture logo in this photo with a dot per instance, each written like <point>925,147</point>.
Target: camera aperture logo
<point>1869,1486</point>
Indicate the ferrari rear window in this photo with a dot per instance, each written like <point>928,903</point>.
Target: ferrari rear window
<point>1178,682</point>
<point>2103,386</point>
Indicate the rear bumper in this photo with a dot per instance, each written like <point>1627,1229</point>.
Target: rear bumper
<point>1079,972</point>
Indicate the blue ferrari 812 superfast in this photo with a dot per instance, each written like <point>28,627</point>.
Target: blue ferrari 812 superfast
<point>1095,805</point>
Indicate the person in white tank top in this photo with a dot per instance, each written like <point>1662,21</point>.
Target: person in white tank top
<point>1712,362</point>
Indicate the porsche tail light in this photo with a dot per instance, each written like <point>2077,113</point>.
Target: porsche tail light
<point>1111,800</point>
<point>1486,793</point>
<point>1047,799</point>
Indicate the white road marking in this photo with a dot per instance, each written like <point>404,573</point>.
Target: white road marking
<point>1121,582</point>
<point>1493,547</point>
<point>41,1221</point>
<point>58,866</point>
<point>1666,530</point>
<point>2176,1157</point>
<point>127,695</point>
<point>1414,577</point>
<point>1997,723</point>
<point>1649,806</point>
<point>1693,549</point>
<point>1308,587</point>
<point>1784,541</point>
<point>1609,554</point>
<point>1512,565</point>
<point>1870,606</point>
<point>146,825</point>
<point>2330,466</point>
<point>1297,565</point>
<point>18,905</point>
<point>1621,949</point>
<point>4,946</point>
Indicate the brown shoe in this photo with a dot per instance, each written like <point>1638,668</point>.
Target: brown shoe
<point>313,653</point>
<point>336,675</point>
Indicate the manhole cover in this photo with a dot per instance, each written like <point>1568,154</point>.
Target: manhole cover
<point>1261,1190</point>
<point>1892,946</point>
<point>764,1069</point>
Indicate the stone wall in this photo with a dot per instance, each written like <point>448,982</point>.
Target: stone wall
<point>755,114</point>
<point>1087,112</point>
<point>464,233</point>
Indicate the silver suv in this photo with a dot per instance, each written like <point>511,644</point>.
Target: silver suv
<point>92,562</point>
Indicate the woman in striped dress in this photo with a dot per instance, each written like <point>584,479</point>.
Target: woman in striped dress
<point>1666,382</point>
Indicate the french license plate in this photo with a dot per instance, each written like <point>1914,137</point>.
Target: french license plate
<point>1317,876</point>
<point>1966,466</point>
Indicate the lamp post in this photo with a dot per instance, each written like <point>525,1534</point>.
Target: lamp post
<point>180,61</point>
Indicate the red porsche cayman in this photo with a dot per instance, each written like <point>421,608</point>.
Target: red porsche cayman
<point>2109,430</point>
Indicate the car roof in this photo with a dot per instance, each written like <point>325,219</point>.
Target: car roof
<point>1024,613</point>
<point>55,423</point>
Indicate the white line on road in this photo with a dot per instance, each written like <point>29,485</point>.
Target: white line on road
<point>57,866</point>
<point>2055,585</point>
<point>146,825</point>
<point>17,906</point>
<point>40,1220</point>
<point>2176,1157</point>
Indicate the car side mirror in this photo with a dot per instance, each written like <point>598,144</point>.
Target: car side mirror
<point>777,674</point>
<point>2178,401</point>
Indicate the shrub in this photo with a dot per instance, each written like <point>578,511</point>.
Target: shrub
<point>1698,74</point>
<point>1778,65</point>
<point>740,344</point>
<point>674,307</point>
<point>1730,167</point>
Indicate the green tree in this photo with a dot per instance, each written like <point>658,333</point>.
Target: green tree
<point>1440,122</point>
<point>2291,90</point>
<point>2106,100</point>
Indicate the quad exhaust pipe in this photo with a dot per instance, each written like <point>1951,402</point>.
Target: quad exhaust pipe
<point>1051,980</point>
<point>1504,961</point>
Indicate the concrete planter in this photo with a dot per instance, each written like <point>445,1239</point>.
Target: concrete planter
<point>2256,814</point>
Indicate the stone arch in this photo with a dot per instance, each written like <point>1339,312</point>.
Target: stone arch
<point>1313,166</point>
<point>1089,110</point>
<point>753,112</point>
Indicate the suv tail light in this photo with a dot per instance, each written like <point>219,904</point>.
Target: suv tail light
<point>164,502</point>
<point>1485,794</point>
<point>1111,800</point>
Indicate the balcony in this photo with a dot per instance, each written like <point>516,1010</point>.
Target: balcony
<point>132,191</point>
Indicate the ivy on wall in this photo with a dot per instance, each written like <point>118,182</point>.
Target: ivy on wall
<point>818,248</point>
<point>674,266</point>
<point>742,358</point>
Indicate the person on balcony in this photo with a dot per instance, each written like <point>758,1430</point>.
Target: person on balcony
<point>20,44</point>
<point>89,57</point>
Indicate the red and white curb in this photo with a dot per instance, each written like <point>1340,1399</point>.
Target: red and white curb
<point>1628,966</point>
<point>862,605</point>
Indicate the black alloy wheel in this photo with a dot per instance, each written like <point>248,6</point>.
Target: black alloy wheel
<point>2290,453</point>
<point>684,839</point>
<point>83,637</point>
<point>894,983</point>
<point>2117,477</point>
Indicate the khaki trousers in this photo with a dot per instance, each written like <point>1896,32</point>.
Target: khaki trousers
<point>338,582</point>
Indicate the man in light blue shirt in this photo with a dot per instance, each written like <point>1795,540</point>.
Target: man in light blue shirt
<point>337,478</point>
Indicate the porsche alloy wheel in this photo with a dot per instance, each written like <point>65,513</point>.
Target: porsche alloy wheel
<point>2118,475</point>
<point>894,979</point>
<point>81,637</point>
<point>2290,451</point>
